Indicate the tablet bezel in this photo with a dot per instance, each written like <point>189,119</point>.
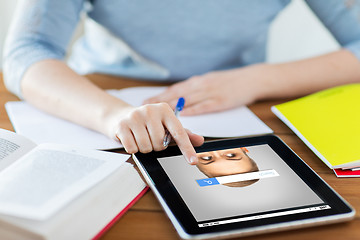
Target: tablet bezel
<point>172,201</point>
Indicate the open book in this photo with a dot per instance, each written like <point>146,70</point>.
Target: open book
<point>42,127</point>
<point>53,191</point>
<point>328,122</point>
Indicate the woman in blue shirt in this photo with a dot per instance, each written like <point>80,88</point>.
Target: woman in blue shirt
<point>214,51</point>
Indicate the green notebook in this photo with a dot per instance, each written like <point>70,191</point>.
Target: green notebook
<point>328,122</point>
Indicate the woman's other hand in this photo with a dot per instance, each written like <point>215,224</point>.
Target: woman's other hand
<point>216,91</point>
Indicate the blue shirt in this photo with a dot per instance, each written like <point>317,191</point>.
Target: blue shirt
<point>157,39</point>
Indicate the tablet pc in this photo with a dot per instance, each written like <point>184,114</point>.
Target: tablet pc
<point>240,187</point>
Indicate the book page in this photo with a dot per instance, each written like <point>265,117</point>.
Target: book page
<point>50,176</point>
<point>12,147</point>
<point>237,122</point>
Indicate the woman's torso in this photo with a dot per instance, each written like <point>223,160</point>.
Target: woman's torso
<point>174,40</point>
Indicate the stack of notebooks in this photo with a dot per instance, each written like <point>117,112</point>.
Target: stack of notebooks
<point>328,122</point>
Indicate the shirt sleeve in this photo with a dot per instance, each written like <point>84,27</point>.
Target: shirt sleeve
<point>342,19</point>
<point>40,29</point>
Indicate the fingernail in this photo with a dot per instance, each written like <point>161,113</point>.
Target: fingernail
<point>192,160</point>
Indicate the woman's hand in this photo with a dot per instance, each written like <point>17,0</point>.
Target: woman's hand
<point>216,91</point>
<point>142,129</point>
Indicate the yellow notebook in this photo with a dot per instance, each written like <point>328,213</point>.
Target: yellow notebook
<point>328,122</point>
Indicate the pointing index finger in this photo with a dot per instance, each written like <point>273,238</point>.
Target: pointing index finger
<point>181,138</point>
<point>185,146</point>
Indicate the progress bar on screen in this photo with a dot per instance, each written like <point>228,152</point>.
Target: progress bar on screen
<point>237,178</point>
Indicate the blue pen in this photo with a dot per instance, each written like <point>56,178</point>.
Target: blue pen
<point>179,106</point>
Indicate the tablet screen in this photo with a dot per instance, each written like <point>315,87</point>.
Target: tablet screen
<point>240,184</point>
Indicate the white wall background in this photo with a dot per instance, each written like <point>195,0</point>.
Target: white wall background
<point>295,34</point>
<point>7,8</point>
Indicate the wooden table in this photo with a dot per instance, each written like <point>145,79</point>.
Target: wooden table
<point>147,220</point>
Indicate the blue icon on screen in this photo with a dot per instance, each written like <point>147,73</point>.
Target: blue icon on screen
<point>207,182</point>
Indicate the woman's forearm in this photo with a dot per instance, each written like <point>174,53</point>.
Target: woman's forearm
<point>53,87</point>
<point>221,90</point>
<point>306,76</point>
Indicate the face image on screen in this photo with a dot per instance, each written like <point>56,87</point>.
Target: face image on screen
<point>230,167</point>
<point>238,181</point>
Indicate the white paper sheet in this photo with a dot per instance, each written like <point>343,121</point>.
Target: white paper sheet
<point>238,122</point>
<point>41,127</point>
<point>44,128</point>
